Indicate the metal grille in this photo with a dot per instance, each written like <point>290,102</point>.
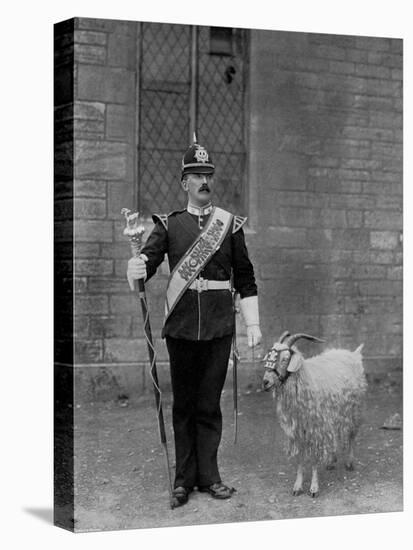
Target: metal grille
<point>164,116</point>
<point>221,120</point>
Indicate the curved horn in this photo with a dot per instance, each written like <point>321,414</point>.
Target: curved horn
<point>292,339</point>
<point>283,336</point>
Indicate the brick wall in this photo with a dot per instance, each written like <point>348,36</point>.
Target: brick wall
<point>326,120</point>
<point>325,196</point>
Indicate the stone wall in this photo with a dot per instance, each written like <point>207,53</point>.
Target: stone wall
<point>326,162</point>
<point>325,197</point>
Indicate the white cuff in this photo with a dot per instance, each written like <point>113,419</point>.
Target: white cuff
<point>249,310</point>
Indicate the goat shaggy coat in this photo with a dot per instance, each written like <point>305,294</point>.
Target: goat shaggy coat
<point>320,405</point>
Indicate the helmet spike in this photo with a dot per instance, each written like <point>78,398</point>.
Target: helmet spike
<point>195,138</point>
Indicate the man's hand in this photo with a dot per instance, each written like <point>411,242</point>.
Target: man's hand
<point>254,335</point>
<point>136,270</point>
<point>249,310</point>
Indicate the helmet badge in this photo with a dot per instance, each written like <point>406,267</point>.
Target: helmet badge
<point>201,154</point>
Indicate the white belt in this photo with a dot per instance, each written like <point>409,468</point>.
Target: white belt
<point>205,284</point>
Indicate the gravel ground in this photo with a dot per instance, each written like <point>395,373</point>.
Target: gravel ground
<point>121,478</point>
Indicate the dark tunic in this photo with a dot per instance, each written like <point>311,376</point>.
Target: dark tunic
<point>198,336</point>
<point>209,314</point>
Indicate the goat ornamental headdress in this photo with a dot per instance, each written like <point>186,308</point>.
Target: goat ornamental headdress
<point>197,160</point>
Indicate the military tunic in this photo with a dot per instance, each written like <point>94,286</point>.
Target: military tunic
<point>198,335</point>
<point>209,314</point>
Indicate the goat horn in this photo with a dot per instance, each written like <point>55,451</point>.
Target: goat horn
<point>283,336</point>
<point>292,339</point>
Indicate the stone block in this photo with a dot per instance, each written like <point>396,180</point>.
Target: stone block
<point>285,236</point>
<point>93,231</point>
<point>355,218</point>
<point>101,160</point>
<point>80,326</point>
<point>334,185</point>
<point>369,272</point>
<point>87,110</point>
<point>303,199</point>
<point>384,188</point>
<point>386,120</point>
<point>119,251</point>
<point>372,71</point>
<point>124,304</point>
<point>329,52</point>
<point>90,54</point>
<point>395,272</point>
<point>120,195</point>
<point>120,122</point>
<point>125,350</point>
<point>79,284</point>
<point>291,170</point>
<point>385,151</point>
<point>105,84</point>
<point>391,202</point>
<point>297,217</point>
<point>397,74</point>
<point>88,129</point>
<point>88,351</point>
<point>332,218</point>
<point>122,47</point>
<point>380,288</point>
<point>85,250</point>
<point>89,208</point>
<point>88,23</point>
<point>341,67</point>
<point>383,219</point>
<point>90,188</point>
<point>318,238</point>
<point>91,37</point>
<point>357,56</point>
<point>373,134</point>
<point>113,326</point>
<point>108,285</point>
<point>351,239</point>
<point>95,305</point>
<point>370,43</point>
<point>386,240</point>
<point>94,266</point>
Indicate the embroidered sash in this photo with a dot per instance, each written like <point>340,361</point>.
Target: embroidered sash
<point>196,257</point>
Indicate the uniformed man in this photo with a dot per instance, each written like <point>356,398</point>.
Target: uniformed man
<point>207,254</point>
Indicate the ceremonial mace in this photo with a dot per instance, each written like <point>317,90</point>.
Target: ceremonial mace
<point>135,232</point>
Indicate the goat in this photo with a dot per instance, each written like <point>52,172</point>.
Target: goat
<point>319,402</point>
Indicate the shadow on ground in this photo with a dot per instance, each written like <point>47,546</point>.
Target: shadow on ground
<point>45,514</point>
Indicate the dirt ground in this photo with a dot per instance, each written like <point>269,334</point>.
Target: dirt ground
<point>121,478</point>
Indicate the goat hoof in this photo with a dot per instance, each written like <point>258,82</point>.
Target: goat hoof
<point>313,494</point>
<point>349,467</point>
<point>297,492</point>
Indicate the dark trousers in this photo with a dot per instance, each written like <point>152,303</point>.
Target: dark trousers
<point>198,371</point>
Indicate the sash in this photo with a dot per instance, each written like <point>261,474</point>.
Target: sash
<point>196,257</point>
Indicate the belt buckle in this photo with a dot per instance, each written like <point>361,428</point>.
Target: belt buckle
<point>202,284</point>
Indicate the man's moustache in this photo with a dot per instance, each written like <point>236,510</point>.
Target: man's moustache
<point>204,188</point>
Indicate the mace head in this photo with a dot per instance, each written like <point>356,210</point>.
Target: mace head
<point>134,230</point>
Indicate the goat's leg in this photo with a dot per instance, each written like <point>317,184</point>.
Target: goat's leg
<point>314,488</point>
<point>349,464</point>
<point>298,485</point>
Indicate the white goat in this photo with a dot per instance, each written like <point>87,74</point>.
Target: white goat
<point>319,402</point>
